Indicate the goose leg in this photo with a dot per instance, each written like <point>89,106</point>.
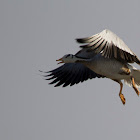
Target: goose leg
<point>120,93</point>
<point>134,87</point>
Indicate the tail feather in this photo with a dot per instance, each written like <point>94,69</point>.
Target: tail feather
<point>128,82</point>
<point>136,74</point>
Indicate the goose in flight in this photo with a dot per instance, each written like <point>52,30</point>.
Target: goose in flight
<point>103,55</point>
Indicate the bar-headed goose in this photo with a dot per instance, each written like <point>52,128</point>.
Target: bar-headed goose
<point>101,55</point>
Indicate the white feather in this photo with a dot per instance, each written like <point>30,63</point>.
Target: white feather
<point>109,36</point>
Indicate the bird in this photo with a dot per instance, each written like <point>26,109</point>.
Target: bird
<point>103,55</point>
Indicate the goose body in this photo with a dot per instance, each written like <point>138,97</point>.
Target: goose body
<point>101,55</point>
<point>110,68</point>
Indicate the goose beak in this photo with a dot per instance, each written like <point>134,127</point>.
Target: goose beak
<point>61,61</point>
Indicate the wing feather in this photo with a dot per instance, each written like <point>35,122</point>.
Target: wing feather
<point>70,74</point>
<point>87,39</point>
<point>109,45</point>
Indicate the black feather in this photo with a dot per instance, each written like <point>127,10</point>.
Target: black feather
<point>70,74</point>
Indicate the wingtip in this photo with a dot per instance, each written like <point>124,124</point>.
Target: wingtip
<point>79,40</point>
<point>43,71</point>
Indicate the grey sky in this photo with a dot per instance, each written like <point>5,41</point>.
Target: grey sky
<point>33,34</point>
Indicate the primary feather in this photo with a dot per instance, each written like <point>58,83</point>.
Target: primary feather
<point>70,74</point>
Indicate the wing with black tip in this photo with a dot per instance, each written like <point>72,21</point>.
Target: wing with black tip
<point>109,45</point>
<point>70,74</point>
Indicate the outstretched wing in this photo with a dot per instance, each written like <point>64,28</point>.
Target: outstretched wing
<point>70,74</point>
<point>109,45</point>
